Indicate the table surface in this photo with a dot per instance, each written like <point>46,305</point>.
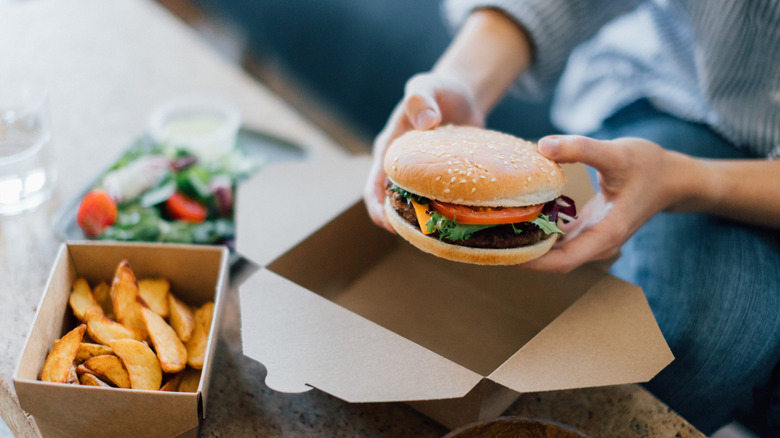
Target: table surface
<point>108,64</point>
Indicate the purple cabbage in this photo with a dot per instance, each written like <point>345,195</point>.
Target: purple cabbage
<point>562,207</point>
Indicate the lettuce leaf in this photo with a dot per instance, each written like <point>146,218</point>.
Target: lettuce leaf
<point>409,195</point>
<point>546,225</point>
<point>452,230</point>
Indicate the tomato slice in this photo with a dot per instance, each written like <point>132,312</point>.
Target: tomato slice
<point>97,211</point>
<point>468,215</point>
<point>185,209</point>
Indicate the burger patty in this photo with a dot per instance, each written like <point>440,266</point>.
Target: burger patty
<point>498,237</point>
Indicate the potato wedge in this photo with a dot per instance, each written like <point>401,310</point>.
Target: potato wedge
<point>73,375</point>
<point>88,350</point>
<point>102,293</point>
<point>81,369</point>
<point>126,300</point>
<point>190,380</point>
<point>104,330</point>
<point>196,346</point>
<point>57,367</point>
<point>172,385</point>
<point>140,362</point>
<point>181,317</point>
<point>89,379</point>
<point>154,292</point>
<point>170,350</point>
<point>81,299</point>
<point>110,368</point>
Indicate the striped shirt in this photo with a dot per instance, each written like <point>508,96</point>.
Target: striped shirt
<point>715,62</point>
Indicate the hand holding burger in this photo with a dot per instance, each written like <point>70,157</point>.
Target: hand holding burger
<point>474,195</point>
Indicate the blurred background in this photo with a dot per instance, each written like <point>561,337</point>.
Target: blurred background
<point>342,63</point>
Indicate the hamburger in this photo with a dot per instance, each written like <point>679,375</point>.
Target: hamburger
<point>474,195</point>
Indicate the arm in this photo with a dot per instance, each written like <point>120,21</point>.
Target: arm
<point>743,190</point>
<point>474,72</point>
<point>487,55</point>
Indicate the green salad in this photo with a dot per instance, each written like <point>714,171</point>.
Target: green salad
<point>156,194</point>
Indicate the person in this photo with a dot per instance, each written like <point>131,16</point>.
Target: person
<point>675,106</point>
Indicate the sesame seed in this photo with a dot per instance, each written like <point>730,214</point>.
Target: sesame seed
<point>446,190</point>
<point>492,180</point>
<point>462,181</point>
<point>474,180</point>
<point>453,179</point>
<point>473,189</point>
<point>438,178</point>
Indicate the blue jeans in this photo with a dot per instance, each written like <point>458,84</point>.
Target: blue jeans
<point>714,288</point>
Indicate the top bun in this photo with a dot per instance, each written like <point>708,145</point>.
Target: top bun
<point>473,166</point>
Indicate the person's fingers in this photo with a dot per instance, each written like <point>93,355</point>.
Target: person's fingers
<point>420,104</point>
<point>594,211</point>
<point>588,246</point>
<point>374,197</point>
<point>600,154</point>
<point>422,111</point>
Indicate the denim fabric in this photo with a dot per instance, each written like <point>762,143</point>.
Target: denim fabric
<point>714,288</point>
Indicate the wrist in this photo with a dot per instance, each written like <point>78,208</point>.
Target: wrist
<point>697,186</point>
<point>487,55</point>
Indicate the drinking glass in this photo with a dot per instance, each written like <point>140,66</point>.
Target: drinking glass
<point>27,172</point>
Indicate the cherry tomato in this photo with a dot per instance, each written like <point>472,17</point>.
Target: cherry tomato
<point>96,213</point>
<point>185,209</point>
<point>468,215</point>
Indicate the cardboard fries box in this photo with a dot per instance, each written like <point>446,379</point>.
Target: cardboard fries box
<point>197,274</point>
<point>346,307</point>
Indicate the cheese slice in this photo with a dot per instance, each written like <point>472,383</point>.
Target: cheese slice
<point>422,215</point>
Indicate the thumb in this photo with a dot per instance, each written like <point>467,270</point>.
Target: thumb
<point>578,149</point>
<point>422,111</point>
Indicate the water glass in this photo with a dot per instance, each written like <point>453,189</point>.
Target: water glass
<point>27,172</point>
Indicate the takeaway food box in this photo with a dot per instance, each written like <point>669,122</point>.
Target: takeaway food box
<point>345,307</point>
<point>197,274</point>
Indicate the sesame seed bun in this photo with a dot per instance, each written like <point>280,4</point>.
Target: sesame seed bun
<point>473,166</point>
<point>464,254</point>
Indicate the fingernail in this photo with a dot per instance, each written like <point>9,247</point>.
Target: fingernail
<point>548,146</point>
<point>426,119</point>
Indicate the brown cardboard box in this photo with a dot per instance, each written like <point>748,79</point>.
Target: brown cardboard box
<point>197,274</point>
<point>345,307</point>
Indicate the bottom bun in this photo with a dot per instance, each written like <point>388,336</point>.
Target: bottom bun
<point>465,254</point>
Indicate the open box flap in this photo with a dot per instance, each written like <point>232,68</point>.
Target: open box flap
<point>287,202</point>
<point>336,350</point>
<point>607,337</point>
